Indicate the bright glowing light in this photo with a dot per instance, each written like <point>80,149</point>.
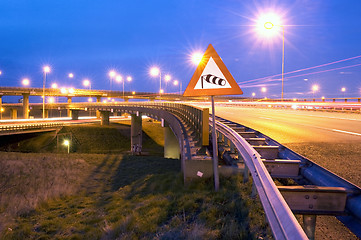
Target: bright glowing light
<point>54,85</point>
<point>112,73</point>
<point>51,100</point>
<point>109,98</point>
<point>70,75</point>
<point>323,98</point>
<point>2,109</point>
<point>295,99</point>
<point>118,78</point>
<point>71,90</point>
<point>253,94</point>
<point>112,99</point>
<point>315,88</point>
<point>63,90</point>
<point>197,58</point>
<point>294,107</point>
<point>129,79</point>
<point>343,89</point>
<point>90,99</point>
<point>86,82</point>
<point>104,101</point>
<point>133,92</point>
<point>66,142</point>
<point>167,78</point>
<point>154,71</point>
<point>268,24</point>
<point>263,89</point>
<point>46,69</point>
<point>25,82</point>
<point>1,72</point>
<point>161,91</point>
<point>175,83</point>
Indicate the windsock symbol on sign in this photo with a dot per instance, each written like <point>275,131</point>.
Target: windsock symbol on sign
<point>213,80</point>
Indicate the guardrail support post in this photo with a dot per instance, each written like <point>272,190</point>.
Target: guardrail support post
<point>171,143</point>
<point>26,105</point>
<point>309,225</point>
<point>136,133</point>
<point>69,111</point>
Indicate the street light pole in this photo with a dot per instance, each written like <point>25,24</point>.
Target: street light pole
<point>283,57</point>
<point>46,69</point>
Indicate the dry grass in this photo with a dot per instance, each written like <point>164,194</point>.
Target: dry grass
<point>28,179</point>
<point>119,196</point>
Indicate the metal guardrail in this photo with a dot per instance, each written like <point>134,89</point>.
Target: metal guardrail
<point>283,223</point>
<point>17,128</point>
<point>196,118</point>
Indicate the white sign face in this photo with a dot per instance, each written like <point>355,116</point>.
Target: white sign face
<point>212,77</point>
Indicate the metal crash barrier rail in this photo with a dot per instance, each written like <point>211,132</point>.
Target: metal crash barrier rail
<point>282,221</point>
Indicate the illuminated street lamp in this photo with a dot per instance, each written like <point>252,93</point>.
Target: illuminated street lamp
<point>253,95</point>
<point>25,82</point>
<point>129,79</point>
<point>167,78</point>
<point>176,83</point>
<point>2,110</point>
<point>314,89</point>
<point>63,90</point>
<point>67,143</point>
<point>343,90</point>
<point>54,85</point>
<point>154,71</point>
<point>1,72</point>
<point>87,83</point>
<point>112,74</point>
<point>46,70</point>
<point>119,79</point>
<point>269,22</point>
<point>196,58</point>
<point>71,75</point>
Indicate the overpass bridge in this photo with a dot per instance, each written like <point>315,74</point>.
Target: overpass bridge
<point>246,152</point>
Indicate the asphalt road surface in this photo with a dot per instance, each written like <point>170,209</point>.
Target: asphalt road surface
<point>295,126</point>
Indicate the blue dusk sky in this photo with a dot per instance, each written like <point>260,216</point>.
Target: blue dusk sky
<point>89,38</point>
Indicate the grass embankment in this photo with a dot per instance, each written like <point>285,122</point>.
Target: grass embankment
<point>108,196</point>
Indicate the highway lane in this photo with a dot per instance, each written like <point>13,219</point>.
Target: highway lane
<point>295,126</point>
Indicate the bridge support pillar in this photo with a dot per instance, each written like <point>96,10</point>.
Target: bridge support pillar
<point>104,117</point>
<point>13,113</point>
<point>69,111</point>
<point>171,144</point>
<point>126,99</point>
<point>46,112</point>
<point>136,133</point>
<point>97,111</point>
<point>74,114</point>
<point>26,105</point>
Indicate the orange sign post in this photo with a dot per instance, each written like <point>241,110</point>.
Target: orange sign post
<point>212,78</point>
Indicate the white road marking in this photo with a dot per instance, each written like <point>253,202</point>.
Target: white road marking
<point>341,131</point>
<point>265,118</point>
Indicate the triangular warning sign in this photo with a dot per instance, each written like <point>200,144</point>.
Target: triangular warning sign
<point>212,77</point>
